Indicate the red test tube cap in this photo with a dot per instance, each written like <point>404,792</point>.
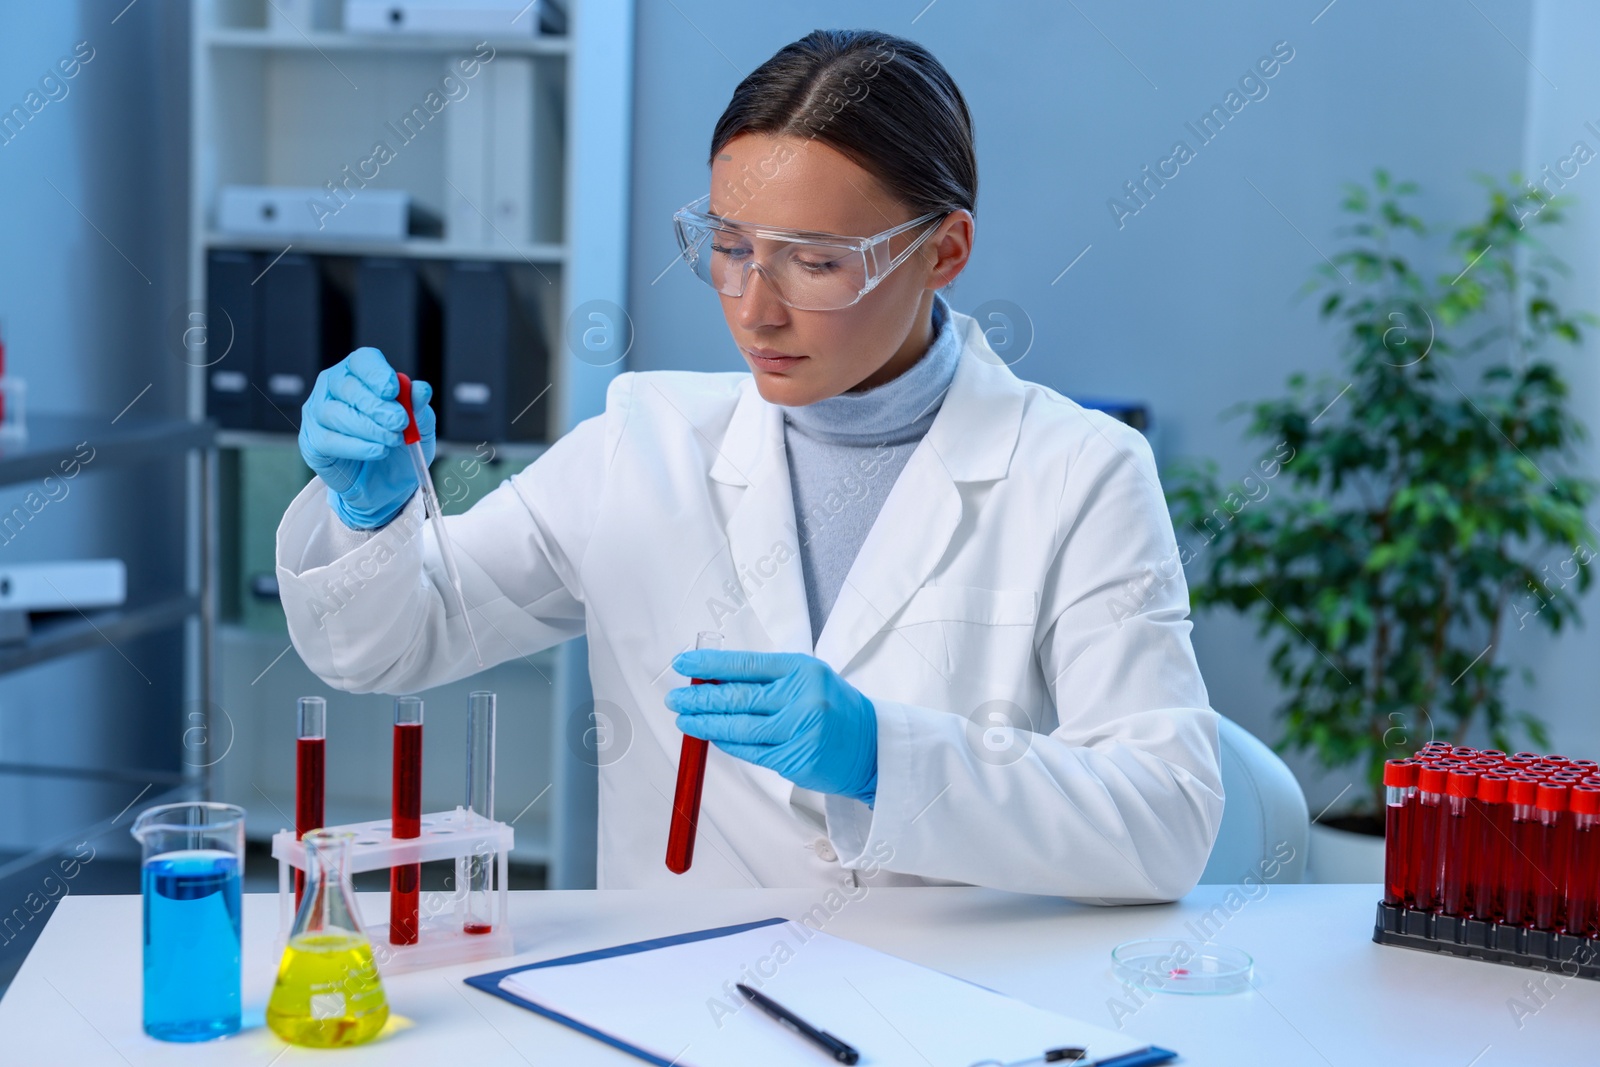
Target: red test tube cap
<point>1432,779</point>
<point>1552,797</point>
<point>1585,800</point>
<point>1399,773</point>
<point>1522,790</point>
<point>1462,783</point>
<point>1492,788</point>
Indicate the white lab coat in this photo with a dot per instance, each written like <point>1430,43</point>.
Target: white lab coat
<point>1023,565</point>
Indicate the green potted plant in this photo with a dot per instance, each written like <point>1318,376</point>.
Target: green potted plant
<point>1416,509</point>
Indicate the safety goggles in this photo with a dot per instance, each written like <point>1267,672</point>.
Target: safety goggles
<point>807,270</point>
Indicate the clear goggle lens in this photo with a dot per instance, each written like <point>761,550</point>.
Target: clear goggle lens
<point>806,275</point>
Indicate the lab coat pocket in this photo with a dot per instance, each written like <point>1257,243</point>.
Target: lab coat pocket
<point>957,628</point>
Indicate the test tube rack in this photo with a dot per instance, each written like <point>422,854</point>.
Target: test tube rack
<point>441,937</point>
<point>1546,950</point>
<point>1493,857</point>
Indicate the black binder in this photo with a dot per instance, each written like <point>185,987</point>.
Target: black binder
<point>305,326</point>
<point>396,313</point>
<point>230,326</point>
<point>495,364</point>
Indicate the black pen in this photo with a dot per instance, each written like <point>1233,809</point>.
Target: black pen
<point>839,1050</point>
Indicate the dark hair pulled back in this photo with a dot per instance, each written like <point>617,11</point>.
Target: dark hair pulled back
<point>882,101</point>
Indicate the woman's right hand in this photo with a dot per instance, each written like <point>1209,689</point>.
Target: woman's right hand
<point>350,435</point>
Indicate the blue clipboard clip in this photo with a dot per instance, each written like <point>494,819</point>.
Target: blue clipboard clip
<point>1078,1057</point>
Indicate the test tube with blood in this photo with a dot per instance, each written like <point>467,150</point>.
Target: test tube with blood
<point>1400,787</point>
<point>1426,875</point>
<point>1549,883</point>
<point>310,763</point>
<point>1459,836</point>
<point>1583,863</point>
<point>1493,853</point>
<point>405,818</point>
<point>1521,793</point>
<point>691,779</point>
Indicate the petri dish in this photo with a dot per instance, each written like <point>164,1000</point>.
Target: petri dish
<point>1176,965</point>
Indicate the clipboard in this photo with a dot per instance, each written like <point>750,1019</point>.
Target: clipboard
<point>838,969</point>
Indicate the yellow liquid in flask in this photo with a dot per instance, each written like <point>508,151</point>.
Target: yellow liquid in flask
<point>328,994</point>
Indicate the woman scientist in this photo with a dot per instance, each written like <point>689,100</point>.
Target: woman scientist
<point>957,645</point>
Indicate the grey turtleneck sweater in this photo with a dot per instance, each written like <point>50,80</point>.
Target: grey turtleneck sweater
<point>845,453</point>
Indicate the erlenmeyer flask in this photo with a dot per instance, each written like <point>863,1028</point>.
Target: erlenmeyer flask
<point>328,993</point>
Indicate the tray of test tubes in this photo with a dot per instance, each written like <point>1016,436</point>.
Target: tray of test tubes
<point>1493,857</point>
<point>443,935</point>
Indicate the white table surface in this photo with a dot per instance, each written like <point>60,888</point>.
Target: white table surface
<point>1324,992</point>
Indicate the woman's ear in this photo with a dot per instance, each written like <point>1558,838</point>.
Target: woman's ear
<point>952,247</point>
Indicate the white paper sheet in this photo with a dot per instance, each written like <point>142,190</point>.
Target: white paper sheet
<point>680,1004</point>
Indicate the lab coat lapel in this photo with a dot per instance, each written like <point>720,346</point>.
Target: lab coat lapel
<point>971,439</point>
<point>761,529</point>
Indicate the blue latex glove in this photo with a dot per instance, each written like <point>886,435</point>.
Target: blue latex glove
<point>350,435</point>
<point>782,710</point>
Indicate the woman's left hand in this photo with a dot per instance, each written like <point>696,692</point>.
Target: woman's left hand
<point>783,710</point>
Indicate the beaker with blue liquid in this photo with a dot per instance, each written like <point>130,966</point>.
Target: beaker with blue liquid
<point>193,863</point>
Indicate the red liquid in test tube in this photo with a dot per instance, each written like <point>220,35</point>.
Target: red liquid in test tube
<point>310,770</point>
<point>1583,863</point>
<point>405,817</point>
<point>1550,880</point>
<point>1494,833</point>
<point>1459,835</point>
<point>1427,873</point>
<point>1400,786</point>
<point>1522,851</point>
<point>691,780</point>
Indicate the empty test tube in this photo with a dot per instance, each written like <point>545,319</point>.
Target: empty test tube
<point>480,805</point>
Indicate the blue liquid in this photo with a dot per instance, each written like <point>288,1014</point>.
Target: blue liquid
<point>191,945</point>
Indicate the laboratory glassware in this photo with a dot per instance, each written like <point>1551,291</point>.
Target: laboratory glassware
<point>691,779</point>
<point>430,500</point>
<point>193,860</point>
<point>405,816</point>
<point>480,864</point>
<point>328,993</point>
<point>310,771</point>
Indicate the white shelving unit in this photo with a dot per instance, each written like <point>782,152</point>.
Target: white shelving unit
<point>277,107</point>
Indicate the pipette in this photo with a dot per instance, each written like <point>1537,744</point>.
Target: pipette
<point>430,499</point>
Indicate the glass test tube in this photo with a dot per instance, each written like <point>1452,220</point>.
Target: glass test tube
<point>1400,786</point>
<point>1583,859</point>
<point>405,817</point>
<point>480,804</point>
<point>1549,883</point>
<point>691,780</point>
<point>1494,831</point>
<point>1425,876</point>
<point>310,773</point>
<point>1458,838</point>
<point>1520,795</point>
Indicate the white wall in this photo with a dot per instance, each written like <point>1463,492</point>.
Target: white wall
<point>1564,108</point>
